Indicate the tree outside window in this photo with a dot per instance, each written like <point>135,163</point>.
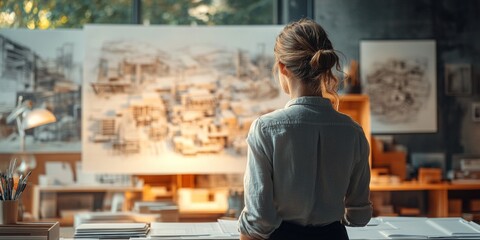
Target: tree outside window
<point>50,14</point>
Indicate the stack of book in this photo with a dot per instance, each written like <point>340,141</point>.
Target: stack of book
<point>30,231</point>
<point>111,230</point>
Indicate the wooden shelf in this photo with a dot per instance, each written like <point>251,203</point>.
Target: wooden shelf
<point>437,193</point>
<point>129,192</point>
<point>86,188</point>
<point>357,106</point>
<point>407,186</point>
<point>414,186</point>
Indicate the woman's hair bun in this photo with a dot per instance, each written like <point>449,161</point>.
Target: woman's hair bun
<point>323,60</point>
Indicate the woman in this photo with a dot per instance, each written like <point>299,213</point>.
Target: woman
<point>307,173</point>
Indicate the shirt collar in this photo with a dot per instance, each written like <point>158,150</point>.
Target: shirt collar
<point>309,100</point>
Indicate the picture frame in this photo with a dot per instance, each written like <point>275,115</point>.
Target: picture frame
<point>476,111</point>
<point>52,77</point>
<point>400,77</point>
<point>458,79</point>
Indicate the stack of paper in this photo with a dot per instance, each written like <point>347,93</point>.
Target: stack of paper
<point>223,229</point>
<point>111,230</point>
<point>371,231</point>
<point>114,217</point>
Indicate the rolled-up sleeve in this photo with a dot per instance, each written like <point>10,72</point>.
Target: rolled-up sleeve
<point>259,218</point>
<point>357,200</point>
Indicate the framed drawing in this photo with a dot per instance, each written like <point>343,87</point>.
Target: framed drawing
<point>400,78</point>
<point>476,112</point>
<point>458,79</point>
<point>45,67</point>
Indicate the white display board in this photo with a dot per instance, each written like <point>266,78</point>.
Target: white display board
<point>167,100</point>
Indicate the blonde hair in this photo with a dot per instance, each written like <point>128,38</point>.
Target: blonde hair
<point>305,50</point>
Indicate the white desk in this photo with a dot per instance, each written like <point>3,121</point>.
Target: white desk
<point>378,229</point>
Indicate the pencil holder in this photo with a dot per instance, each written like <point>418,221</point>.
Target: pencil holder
<point>8,211</point>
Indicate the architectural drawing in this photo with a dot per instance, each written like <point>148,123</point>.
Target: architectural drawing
<point>400,78</point>
<point>408,88</point>
<point>195,102</point>
<point>197,106</point>
<point>49,80</point>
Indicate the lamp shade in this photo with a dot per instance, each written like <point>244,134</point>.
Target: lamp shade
<point>38,117</point>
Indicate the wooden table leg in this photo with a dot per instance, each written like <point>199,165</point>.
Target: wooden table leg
<point>438,203</point>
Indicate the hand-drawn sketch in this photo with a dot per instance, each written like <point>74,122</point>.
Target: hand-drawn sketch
<point>400,79</point>
<point>44,67</point>
<point>175,99</point>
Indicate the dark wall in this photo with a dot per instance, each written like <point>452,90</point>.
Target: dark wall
<point>455,25</point>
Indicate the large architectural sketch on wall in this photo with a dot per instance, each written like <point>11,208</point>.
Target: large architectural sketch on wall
<point>400,79</point>
<point>44,67</point>
<point>160,99</point>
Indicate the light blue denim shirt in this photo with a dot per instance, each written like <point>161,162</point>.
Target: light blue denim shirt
<point>307,164</point>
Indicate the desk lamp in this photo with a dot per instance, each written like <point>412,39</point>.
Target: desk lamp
<point>27,118</point>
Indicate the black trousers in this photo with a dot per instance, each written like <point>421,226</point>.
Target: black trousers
<point>287,231</point>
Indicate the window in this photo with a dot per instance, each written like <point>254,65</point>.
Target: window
<point>48,14</point>
<point>207,12</point>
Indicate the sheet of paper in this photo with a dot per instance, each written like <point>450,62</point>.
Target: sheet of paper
<point>374,222</point>
<point>401,219</point>
<point>209,237</point>
<point>159,229</point>
<point>381,226</point>
<point>454,226</point>
<point>229,226</point>
<point>364,233</point>
<point>413,229</point>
